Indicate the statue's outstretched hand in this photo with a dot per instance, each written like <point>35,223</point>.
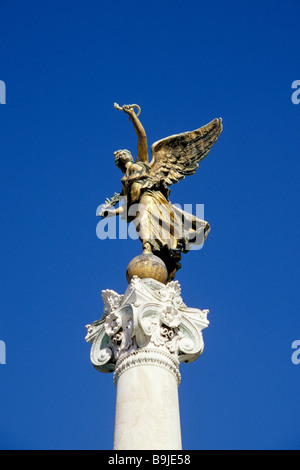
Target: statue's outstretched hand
<point>128,108</point>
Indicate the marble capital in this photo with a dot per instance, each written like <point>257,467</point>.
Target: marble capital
<point>148,325</point>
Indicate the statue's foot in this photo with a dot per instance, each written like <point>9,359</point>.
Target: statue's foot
<point>147,248</point>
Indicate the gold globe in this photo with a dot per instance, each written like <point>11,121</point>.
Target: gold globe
<point>147,265</point>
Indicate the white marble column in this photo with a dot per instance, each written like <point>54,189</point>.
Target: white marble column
<point>147,409</point>
<point>143,336</point>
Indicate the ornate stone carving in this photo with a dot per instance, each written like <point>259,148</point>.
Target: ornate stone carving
<point>149,324</point>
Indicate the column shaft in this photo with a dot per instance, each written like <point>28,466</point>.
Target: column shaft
<point>147,410</point>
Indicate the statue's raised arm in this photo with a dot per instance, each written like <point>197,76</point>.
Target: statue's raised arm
<point>142,146</point>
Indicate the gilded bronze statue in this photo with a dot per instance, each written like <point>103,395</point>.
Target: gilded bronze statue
<point>164,230</point>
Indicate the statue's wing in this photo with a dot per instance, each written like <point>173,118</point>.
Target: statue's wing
<point>177,156</point>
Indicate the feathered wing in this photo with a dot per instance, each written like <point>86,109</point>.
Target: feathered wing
<point>177,156</point>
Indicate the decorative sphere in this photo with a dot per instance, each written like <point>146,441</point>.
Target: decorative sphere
<point>147,265</point>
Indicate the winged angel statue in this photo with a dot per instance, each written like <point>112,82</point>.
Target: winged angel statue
<point>164,230</point>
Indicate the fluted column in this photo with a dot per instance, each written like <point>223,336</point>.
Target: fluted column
<point>143,336</point>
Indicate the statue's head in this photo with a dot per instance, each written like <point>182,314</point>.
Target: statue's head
<point>121,158</point>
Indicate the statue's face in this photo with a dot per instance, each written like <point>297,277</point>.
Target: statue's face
<point>123,159</point>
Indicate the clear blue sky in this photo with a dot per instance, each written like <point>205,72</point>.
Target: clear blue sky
<point>185,63</point>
